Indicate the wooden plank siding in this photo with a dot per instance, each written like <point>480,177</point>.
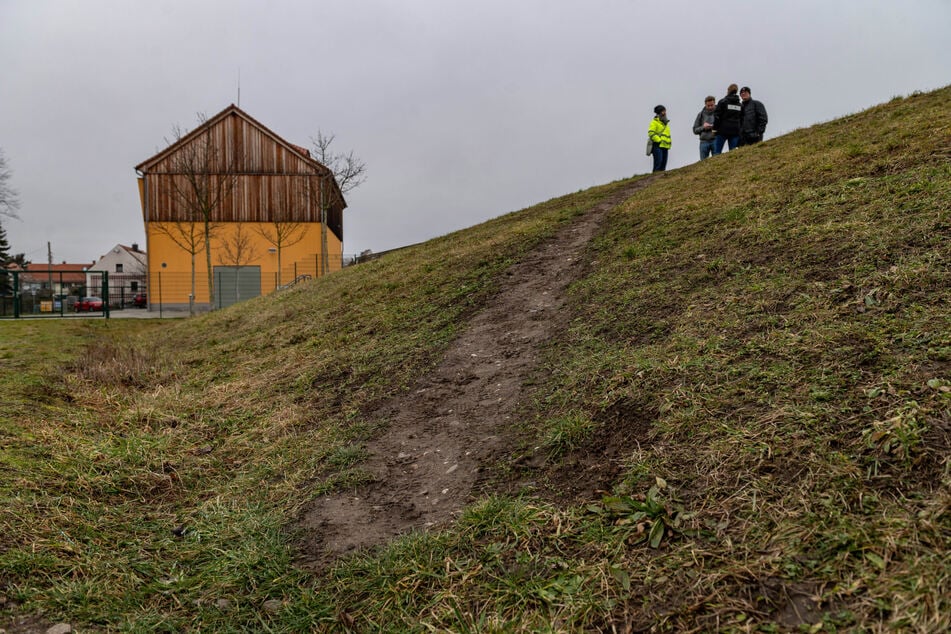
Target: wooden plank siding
<point>254,198</point>
<point>275,181</point>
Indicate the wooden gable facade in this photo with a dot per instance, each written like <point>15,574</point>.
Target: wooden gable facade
<point>254,184</point>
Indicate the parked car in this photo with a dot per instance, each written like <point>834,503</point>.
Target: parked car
<point>140,300</point>
<point>89,304</point>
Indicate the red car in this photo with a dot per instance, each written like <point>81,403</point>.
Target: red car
<point>89,304</point>
<point>140,300</point>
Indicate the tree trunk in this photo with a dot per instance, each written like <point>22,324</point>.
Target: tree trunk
<point>211,274</point>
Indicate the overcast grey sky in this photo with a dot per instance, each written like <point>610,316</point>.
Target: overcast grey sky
<point>463,110</point>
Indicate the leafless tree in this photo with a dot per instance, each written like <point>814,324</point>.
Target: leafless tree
<point>282,235</point>
<point>9,201</point>
<point>190,237</point>
<point>238,251</point>
<point>203,177</point>
<point>5,259</point>
<point>347,170</point>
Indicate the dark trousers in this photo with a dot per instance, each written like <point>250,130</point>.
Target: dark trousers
<point>750,139</point>
<point>660,158</point>
<point>720,141</point>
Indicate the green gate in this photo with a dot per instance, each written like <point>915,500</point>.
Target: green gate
<point>52,293</point>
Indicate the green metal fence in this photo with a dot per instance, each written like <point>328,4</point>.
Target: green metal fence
<point>62,293</point>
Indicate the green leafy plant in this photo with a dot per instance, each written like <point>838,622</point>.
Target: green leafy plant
<point>648,518</point>
<point>896,437</point>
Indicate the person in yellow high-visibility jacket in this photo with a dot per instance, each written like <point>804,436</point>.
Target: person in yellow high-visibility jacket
<point>659,134</point>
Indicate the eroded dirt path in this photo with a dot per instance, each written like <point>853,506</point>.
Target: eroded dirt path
<point>455,421</point>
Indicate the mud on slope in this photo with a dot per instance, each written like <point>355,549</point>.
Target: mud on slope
<point>454,422</point>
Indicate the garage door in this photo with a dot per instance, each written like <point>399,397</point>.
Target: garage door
<point>235,284</point>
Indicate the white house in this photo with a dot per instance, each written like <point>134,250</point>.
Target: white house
<point>127,273</point>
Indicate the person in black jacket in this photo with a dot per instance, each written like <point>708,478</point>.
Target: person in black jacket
<point>753,118</point>
<point>727,120</point>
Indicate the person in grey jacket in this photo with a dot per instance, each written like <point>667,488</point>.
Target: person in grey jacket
<point>753,118</point>
<point>703,126</point>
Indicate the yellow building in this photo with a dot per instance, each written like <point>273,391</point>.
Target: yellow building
<point>269,212</point>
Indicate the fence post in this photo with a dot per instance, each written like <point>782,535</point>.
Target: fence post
<point>16,294</point>
<point>62,301</point>
<point>105,293</point>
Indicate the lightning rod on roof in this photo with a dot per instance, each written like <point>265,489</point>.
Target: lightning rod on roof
<point>239,86</point>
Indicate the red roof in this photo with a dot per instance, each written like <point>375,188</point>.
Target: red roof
<point>65,273</point>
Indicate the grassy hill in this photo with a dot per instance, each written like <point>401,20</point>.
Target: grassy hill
<point>755,367</point>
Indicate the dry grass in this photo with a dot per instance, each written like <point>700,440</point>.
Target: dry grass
<point>758,357</point>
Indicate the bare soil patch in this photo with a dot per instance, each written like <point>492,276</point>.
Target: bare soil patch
<point>441,436</point>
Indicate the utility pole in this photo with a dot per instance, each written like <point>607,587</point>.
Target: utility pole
<point>49,259</point>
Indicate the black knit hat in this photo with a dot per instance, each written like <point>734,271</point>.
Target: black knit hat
<point>659,109</point>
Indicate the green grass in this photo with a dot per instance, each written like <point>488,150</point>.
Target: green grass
<point>169,465</point>
<point>789,325</point>
<point>764,339</point>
